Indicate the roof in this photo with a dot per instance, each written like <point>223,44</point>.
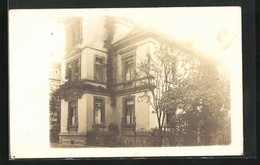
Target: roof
<point>132,38</point>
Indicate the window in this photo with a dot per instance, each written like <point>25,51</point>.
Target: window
<point>129,115</point>
<point>99,70</point>
<point>169,118</point>
<point>128,68</point>
<point>73,113</point>
<point>73,70</point>
<point>99,111</point>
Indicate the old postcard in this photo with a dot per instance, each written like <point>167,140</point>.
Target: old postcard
<point>126,82</point>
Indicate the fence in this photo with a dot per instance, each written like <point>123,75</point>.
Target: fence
<point>192,138</point>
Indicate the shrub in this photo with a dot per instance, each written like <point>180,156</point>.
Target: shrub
<point>95,137</point>
<point>114,138</point>
<point>154,137</point>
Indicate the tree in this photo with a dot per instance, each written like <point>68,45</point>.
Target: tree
<point>191,88</point>
<point>204,102</point>
<point>55,114</point>
<point>159,68</point>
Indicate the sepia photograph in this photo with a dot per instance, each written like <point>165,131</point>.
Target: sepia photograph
<point>126,82</point>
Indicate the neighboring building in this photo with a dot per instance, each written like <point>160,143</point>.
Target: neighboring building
<point>89,104</point>
<point>54,75</point>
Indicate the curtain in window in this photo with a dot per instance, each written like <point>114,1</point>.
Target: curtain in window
<point>128,69</point>
<point>129,115</point>
<point>98,116</point>
<point>98,112</point>
<point>129,118</point>
<point>72,113</point>
<point>99,73</point>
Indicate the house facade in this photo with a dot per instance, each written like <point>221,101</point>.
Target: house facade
<point>86,101</point>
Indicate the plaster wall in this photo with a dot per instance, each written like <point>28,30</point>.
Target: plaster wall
<point>93,32</point>
<point>88,56</point>
<point>145,46</point>
<point>64,115</point>
<point>142,112</point>
<point>118,111</point>
<point>82,113</point>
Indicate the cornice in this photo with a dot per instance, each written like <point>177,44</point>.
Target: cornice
<point>150,33</point>
<point>138,89</point>
<point>75,89</point>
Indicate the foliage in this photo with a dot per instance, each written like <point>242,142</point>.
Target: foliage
<point>95,137</point>
<point>154,137</point>
<point>204,104</point>
<point>113,137</point>
<point>113,132</point>
<point>55,113</point>
<point>161,65</point>
<point>195,90</point>
<point>81,84</point>
<point>110,32</point>
<point>54,108</point>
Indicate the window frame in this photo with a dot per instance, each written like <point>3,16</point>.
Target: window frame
<point>128,69</point>
<point>124,113</point>
<point>102,66</point>
<point>124,61</point>
<point>169,119</point>
<point>69,123</point>
<point>102,124</point>
<point>71,67</point>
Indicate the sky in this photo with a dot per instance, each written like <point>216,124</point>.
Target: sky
<point>197,25</point>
